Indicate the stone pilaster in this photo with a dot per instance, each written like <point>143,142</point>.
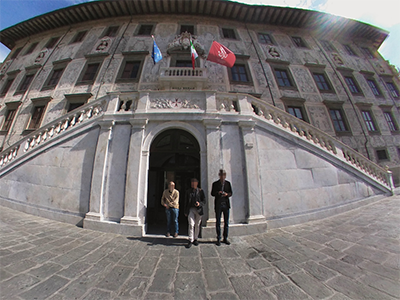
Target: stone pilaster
<point>214,161</point>
<point>100,172</point>
<point>255,206</point>
<point>132,188</point>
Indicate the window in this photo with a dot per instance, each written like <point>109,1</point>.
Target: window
<point>131,69</point>
<point>111,31</point>
<point>392,89</point>
<point>298,41</point>
<point>183,64</point>
<point>9,119</point>
<point>373,87</point>
<point>265,38</point>
<point>327,46</point>
<point>337,119</point>
<point>389,119</point>
<point>369,122</point>
<point>54,78</point>
<point>349,50</point>
<point>37,115</point>
<point>15,54</point>
<point>367,52</point>
<point>382,154</point>
<point>296,111</point>
<point>7,86</point>
<point>352,85</point>
<point>187,28</point>
<point>282,77</point>
<point>239,73</point>
<point>52,42</point>
<point>72,106</point>
<point>145,30</point>
<point>31,48</point>
<point>90,72</point>
<point>25,83</point>
<point>79,37</point>
<point>228,33</point>
<point>321,82</point>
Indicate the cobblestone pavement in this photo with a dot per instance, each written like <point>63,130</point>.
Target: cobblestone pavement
<point>355,255</point>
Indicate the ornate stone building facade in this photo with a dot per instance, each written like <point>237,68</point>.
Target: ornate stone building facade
<point>92,129</point>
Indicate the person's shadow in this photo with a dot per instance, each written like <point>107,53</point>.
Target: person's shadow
<point>166,241</point>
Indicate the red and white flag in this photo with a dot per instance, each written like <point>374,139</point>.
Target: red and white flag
<point>193,53</point>
<point>221,55</point>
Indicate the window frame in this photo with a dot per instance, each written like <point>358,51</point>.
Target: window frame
<point>37,102</point>
<point>186,24</point>
<point>386,154</point>
<point>394,89</point>
<point>300,108</point>
<point>16,53</point>
<point>241,60</point>
<point>371,120</point>
<point>326,81</point>
<point>52,42</point>
<point>137,33</point>
<point>19,89</point>
<point>79,37</point>
<point>302,44</point>
<point>270,38</point>
<point>131,57</point>
<point>235,34</point>
<point>367,52</point>
<point>4,92</point>
<point>354,83</point>
<point>90,61</point>
<point>391,122</point>
<point>343,121</point>
<point>31,48</point>
<point>108,31</point>
<point>47,85</point>
<point>349,50</point>
<point>293,85</point>
<point>74,99</point>
<point>327,46</point>
<point>370,79</point>
<point>8,122</point>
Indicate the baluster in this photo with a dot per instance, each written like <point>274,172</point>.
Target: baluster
<point>81,117</point>
<point>58,128</point>
<point>66,124</point>
<point>39,139</point>
<point>45,133</point>
<point>89,112</point>
<point>32,144</point>
<point>27,144</point>
<point>51,132</point>
<point>73,121</point>
<point>2,161</point>
<point>10,156</point>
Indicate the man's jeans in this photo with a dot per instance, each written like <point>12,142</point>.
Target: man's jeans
<point>172,219</point>
<point>223,209</point>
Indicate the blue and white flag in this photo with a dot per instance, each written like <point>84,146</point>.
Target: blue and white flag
<point>156,54</point>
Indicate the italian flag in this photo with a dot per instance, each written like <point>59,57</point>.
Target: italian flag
<point>193,52</point>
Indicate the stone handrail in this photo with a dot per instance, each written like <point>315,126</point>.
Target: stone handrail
<point>53,129</point>
<point>312,134</point>
<point>180,72</point>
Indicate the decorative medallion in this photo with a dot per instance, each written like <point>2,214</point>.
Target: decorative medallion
<point>273,52</point>
<point>40,56</point>
<point>182,42</point>
<point>173,104</point>
<point>103,45</point>
<point>337,59</point>
<point>4,67</point>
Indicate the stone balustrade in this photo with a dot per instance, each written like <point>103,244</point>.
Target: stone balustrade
<point>183,78</point>
<point>312,134</point>
<point>53,129</point>
<point>180,72</point>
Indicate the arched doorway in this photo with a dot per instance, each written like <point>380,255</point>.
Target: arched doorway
<point>174,156</point>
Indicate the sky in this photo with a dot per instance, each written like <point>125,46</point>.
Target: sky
<point>383,14</point>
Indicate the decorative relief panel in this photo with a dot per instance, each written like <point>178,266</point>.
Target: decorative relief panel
<point>319,117</point>
<point>174,103</point>
<point>4,67</point>
<point>40,58</point>
<point>304,80</point>
<point>337,59</point>
<point>103,45</point>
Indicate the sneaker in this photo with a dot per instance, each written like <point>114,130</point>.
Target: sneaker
<point>226,241</point>
<point>175,235</point>
<point>168,234</point>
<point>218,243</point>
<point>189,244</point>
<point>195,242</point>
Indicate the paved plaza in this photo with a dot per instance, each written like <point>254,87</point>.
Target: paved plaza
<point>355,255</point>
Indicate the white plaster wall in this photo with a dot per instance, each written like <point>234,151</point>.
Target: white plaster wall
<point>58,178</point>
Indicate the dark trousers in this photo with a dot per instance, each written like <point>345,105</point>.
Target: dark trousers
<point>222,209</point>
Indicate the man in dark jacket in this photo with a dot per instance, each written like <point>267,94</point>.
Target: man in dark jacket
<point>194,202</point>
<point>222,190</point>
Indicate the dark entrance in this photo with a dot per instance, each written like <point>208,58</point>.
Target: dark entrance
<point>174,156</point>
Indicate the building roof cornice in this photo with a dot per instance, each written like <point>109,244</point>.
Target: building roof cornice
<point>322,24</point>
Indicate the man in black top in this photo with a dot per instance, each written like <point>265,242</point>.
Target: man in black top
<point>194,202</point>
<point>222,190</point>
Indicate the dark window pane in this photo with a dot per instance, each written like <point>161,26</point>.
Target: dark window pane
<point>265,38</point>
<point>36,117</point>
<point>31,48</point>
<point>298,41</point>
<point>15,54</point>
<point>25,84</point>
<point>90,72</point>
<point>392,89</point>
<point>389,120</point>
<point>367,52</point>
<point>283,78</point>
<point>73,106</point>
<point>183,64</point>
<point>321,82</point>
<point>131,69</point>
<point>349,50</point>
<point>9,119</point>
<point>79,36</point>
<point>52,42</point>
<point>369,121</point>
<point>55,77</point>
<point>187,28</point>
<point>352,85</point>
<point>239,73</point>
<point>112,31</point>
<point>381,154</point>
<point>327,46</point>
<point>7,86</point>
<point>338,120</point>
<point>373,87</point>
<point>228,33</point>
<point>145,29</point>
<point>296,111</point>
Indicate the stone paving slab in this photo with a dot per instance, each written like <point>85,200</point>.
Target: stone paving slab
<point>354,255</point>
